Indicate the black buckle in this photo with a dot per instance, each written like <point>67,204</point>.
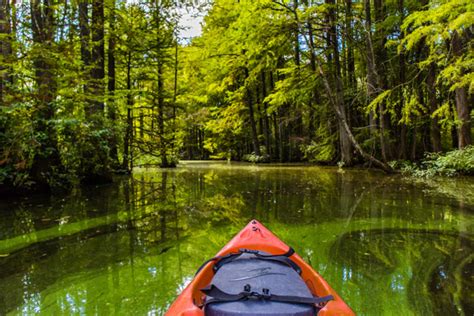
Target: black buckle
<point>247,288</point>
<point>243,250</point>
<point>266,295</point>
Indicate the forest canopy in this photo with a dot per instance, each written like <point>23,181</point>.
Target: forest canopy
<point>89,88</point>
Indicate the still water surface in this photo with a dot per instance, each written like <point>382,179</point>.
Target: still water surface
<point>388,245</point>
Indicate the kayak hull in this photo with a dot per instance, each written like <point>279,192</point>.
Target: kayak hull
<point>257,237</point>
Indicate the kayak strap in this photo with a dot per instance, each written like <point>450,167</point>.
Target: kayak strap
<point>218,296</point>
<point>282,258</point>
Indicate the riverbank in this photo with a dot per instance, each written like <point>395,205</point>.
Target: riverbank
<point>451,164</point>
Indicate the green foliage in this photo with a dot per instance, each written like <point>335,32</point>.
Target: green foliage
<point>321,149</point>
<point>59,122</point>
<point>254,158</point>
<point>455,162</point>
<point>18,144</point>
<point>434,28</point>
<point>257,77</point>
<point>375,104</point>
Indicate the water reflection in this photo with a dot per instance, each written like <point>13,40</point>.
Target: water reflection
<point>382,242</point>
<point>413,263</point>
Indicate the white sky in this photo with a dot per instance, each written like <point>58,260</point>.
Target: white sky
<point>191,21</point>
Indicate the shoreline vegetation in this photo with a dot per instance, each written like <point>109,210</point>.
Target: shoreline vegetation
<point>90,89</point>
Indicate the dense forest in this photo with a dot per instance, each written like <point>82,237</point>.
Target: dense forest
<point>89,88</point>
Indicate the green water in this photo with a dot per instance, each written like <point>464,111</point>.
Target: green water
<point>386,244</point>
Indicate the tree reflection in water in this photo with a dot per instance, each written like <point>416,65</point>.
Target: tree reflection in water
<point>386,244</point>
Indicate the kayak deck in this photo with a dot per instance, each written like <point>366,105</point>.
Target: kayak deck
<point>255,236</point>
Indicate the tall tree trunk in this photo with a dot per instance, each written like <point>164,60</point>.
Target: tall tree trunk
<point>276,137</point>
<point>111,108</point>
<point>276,142</point>
<point>337,104</point>
<point>295,116</point>
<point>379,62</point>
<point>253,125</point>
<point>161,118</point>
<point>435,131</point>
<point>85,41</point>
<point>163,139</point>
<point>266,123</point>
<point>5,49</point>
<point>47,162</point>
<point>315,98</point>
<point>350,46</point>
<point>371,72</point>
<point>462,101</point>
<point>98,59</point>
<point>344,141</point>
<point>128,140</point>
<point>403,141</point>
<point>297,48</point>
<point>175,93</point>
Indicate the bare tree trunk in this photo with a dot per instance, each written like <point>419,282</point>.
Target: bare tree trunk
<point>462,102</point>
<point>350,46</point>
<point>161,118</point>
<point>5,48</point>
<point>315,99</point>
<point>126,162</point>
<point>435,131</point>
<point>266,123</point>
<point>253,125</point>
<point>175,94</point>
<point>336,104</point>
<point>403,143</point>
<point>380,58</point>
<point>111,108</point>
<point>98,59</point>
<point>297,49</point>
<point>85,42</point>
<point>276,141</point>
<point>47,161</point>
<point>371,74</point>
<point>344,141</point>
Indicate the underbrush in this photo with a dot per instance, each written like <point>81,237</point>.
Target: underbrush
<point>456,162</point>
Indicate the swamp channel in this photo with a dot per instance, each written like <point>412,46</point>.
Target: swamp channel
<point>389,245</point>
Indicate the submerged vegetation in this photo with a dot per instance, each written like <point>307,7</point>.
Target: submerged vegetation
<point>130,247</point>
<point>93,87</point>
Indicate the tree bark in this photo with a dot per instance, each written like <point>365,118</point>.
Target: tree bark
<point>380,58</point>
<point>161,118</point>
<point>344,141</point>
<point>5,49</point>
<point>350,46</point>
<point>336,104</point>
<point>47,161</point>
<point>127,142</point>
<point>266,123</point>
<point>253,125</point>
<point>276,142</point>
<point>371,72</point>
<point>297,48</point>
<point>98,59</point>
<point>403,141</point>
<point>111,108</point>
<point>85,41</point>
<point>435,131</point>
<point>462,102</point>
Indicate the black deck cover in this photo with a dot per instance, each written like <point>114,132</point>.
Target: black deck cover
<point>259,274</point>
